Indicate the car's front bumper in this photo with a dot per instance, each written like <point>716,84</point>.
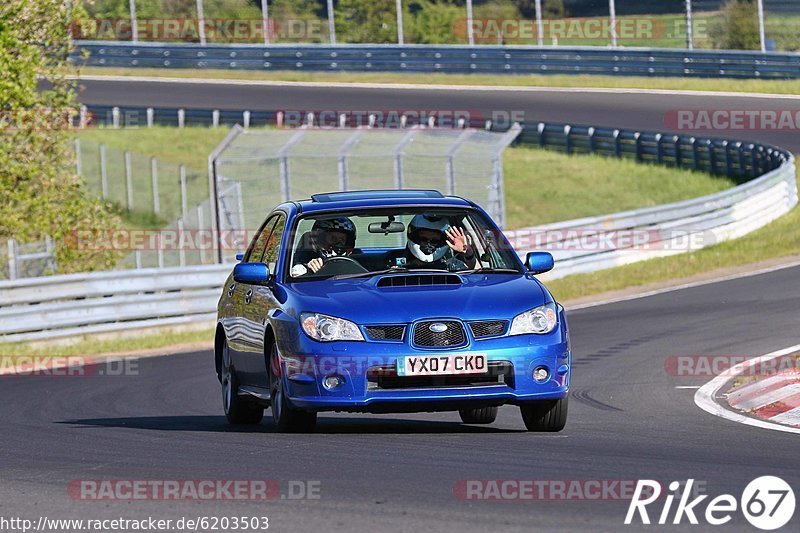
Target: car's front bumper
<point>306,363</point>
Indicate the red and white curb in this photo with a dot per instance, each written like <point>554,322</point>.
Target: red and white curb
<point>772,403</point>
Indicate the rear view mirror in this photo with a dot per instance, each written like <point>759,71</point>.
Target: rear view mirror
<point>251,273</point>
<point>387,227</point>
<point>539,262</point>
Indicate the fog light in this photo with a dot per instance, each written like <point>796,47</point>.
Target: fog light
<point>541,374</point>
<point>332,382</point>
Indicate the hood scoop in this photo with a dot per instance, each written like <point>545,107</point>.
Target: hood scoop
<point>419,280</point>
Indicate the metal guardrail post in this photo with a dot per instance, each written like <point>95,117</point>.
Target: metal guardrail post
<point>637,139</point>
<point>540,130</point>
<point>149,114</point>
<point>676,140</point>
<point>712,156</point>
<point>695,158</point>
<point>115,117</point>
<point>659,149</point>
<point>181,117</point>
<point>567,139</point>
<point>728,160</point>
<point>617,144</point>
<point>215,116</point>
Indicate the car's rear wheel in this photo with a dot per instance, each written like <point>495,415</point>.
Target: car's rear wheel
<point>547,415</point>
<point>237,410</point>
<point>287,419</point>
<point>484,415</point>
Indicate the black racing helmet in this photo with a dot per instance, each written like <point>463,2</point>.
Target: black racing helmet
<point>327,244</point>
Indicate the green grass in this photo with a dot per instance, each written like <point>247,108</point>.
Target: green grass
<point>543,186</point>
<point>94,346</point>
<point>523,80</point>
<point>778,239</point>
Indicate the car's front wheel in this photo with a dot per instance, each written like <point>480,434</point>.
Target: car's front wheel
<point>237,410</point>
<point>546,415</point>
<point>287,419</point>
<point>484,415</point>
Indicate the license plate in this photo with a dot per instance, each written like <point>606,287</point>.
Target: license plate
<point>438,365</point>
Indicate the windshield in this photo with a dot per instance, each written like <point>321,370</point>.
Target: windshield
<point>369,242</point>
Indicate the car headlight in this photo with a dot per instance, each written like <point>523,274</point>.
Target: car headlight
<point>329,328</point>
<point>540,320</point>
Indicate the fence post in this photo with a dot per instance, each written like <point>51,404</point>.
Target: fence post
<point>689,30</point>
<point>103,175</point>
<point>12,259</point>
<point>200,224</point>
<point>470,29</point>
<point>154,178</point>
<point>539,24</point>
<point>115,117</point>
<point>612,14</point>
<point>84,116</point>
<point>246,119</point>
<point>137,259</point>
<point>201,23</point>
<point>181,251</point>
<point>400,36</point>
<point>331,23</point>
<point>134,29</point>
<point>128,180</point>
<point>184,202</point>
<point>181,117</point>
<point>150,113</point>
<point>761,25</point>
<point>265,26</point>
<point>215,118</point>
<point>78,165</point>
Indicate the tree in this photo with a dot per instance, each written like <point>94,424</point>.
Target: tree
<point>737,27</point>
<point>41,195</point>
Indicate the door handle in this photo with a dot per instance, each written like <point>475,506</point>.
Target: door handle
<point>231,289</point>
<point>248,296</point>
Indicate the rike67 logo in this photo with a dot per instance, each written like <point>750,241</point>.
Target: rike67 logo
<point>767,503</point>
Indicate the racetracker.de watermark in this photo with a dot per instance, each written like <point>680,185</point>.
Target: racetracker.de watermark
<point>66,366</point>
<point>545,489</point>
<point>733,119</point>
<point>193,489</point>
<point>229,30</point>
<point>598,239</point>
<point>692,365</point>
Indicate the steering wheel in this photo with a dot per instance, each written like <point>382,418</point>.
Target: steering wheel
<point>339,264</point>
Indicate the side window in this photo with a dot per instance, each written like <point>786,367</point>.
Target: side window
<point>257,248</point>
<point>272,251</point>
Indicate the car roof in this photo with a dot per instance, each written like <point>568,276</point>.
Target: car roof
<point>379,198</point>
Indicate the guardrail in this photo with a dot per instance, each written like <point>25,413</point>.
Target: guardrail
<point>59,306</point>
<point>78,304</point>
<point>453,59</point>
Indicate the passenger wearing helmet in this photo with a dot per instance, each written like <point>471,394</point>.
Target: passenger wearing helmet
<point>433,243</point>
<point>327,238</point>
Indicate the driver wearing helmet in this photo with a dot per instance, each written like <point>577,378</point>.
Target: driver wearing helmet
<point>328,238</point>
<point>434,243</point>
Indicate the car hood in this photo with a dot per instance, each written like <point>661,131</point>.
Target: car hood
<point>478,296</point>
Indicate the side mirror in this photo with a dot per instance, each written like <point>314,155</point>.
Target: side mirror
<point>539,262</point>
<point>251,273</point>
<point>239,256</point>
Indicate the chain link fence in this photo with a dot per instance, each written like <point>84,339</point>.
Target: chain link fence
<point>257,169</point>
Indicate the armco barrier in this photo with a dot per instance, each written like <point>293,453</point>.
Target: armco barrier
<point>59,306</point>
<point>454,59</point>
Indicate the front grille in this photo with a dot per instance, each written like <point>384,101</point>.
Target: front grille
<point>488,328</point>
<point>453,336</point>
<point>385,333</point>
<point>385,377</point>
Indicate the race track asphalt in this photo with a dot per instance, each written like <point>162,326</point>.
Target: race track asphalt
<point>627,420</point>
<point>398,472</point>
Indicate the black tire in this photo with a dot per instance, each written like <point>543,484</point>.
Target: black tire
<point>287,419</point>
<point>547,415</point>
<point>484,415</point>
<point>237,410</point>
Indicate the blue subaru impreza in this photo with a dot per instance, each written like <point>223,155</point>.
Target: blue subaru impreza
<point>389,301</point>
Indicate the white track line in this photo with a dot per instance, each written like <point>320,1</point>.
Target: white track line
<point>426,87</point>
<point>789,417</point>
<point>704,397</point>
<point>762,400</point>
